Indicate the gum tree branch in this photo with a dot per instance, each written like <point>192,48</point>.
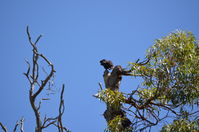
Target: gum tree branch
<point>142,108</point>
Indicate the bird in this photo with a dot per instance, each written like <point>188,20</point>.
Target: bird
<point>107,64</point>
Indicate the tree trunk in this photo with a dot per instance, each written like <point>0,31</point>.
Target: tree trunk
<point>112,82</point>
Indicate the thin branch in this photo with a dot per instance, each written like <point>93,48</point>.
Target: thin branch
<point>64,128</point>
<point>33,93</point>
<point>61,110</point>
<point>143,62</point>
<point>49,121</point>
<point>3,127</point>
<point>30,40</point>
<point>38,39</point>
<point>34,78</point>
<point>16,125</point>
<point>47,78</point>
<point>28,72</point>
<point>100,85</point>
<point>22,125</point>
<point>19,123</point>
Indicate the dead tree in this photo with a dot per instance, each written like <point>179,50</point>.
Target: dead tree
<point>37,86</point>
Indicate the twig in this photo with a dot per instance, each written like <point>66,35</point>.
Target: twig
<point>100,84</point>
<point>19,123</point>
<point>34,79</point>
<point>16,125</point>
<point>61,110</point>
<point>22,125</point>
<point>33,93</point>
<point>3,127</point>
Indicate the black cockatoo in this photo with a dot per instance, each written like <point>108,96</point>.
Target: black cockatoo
<point>108,65</point>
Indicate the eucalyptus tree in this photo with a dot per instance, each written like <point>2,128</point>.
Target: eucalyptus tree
<point>169,88</point>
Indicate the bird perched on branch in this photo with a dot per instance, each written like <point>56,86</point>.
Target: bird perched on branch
<point>108,65</point>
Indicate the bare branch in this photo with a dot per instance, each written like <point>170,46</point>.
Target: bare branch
<point>47,78</point>
<point>22,125</point>
<point>3,127</point>
<point>28,72</point>
<point>100,85</point>
<point>44,82</point>
<point>61,111</point>
<point>38,39</point>
<point>33,78</point>
<point>48,122</point>
<point>64,128</point>
<point>16,125</point>
<point>19,123</point>
<point>30,40</point>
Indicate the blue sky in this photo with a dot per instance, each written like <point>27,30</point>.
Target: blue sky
<point>76,35</point>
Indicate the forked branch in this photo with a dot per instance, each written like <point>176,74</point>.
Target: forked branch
<point>20,124</point>
<point>37,86</point>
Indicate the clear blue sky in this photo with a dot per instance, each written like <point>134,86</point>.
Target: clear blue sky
<point>76,35</point>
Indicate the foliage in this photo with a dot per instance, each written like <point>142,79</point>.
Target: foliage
<point>116,124</point>
<point>111,98</point>
<point>182,125</point>
<point>171,76</point>
<point>170,85</point>
<point>173,69</point>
